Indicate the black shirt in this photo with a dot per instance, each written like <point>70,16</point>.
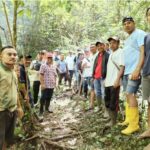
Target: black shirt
<point>146,67</point>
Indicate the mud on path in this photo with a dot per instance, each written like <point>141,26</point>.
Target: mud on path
<point>70,127</point>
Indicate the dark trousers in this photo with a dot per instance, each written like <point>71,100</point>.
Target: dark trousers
<point>46,96</point>
<point>112,98</point>
<point>71,72</point>
<point>36,87</point>
<point>7,126</point>
<point>65,76</point>
<point>86,83</point>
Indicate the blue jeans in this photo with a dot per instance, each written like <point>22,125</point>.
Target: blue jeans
<point>130,86</point>
<point>99,87</point>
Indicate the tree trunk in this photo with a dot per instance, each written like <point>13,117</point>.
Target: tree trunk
<point>0,43</point>
<point>15,23</point>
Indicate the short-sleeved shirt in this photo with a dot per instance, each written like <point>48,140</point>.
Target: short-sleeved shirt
<point>112,71</point>
<point>62,66</point>
<point>132,50</point>
<point>49,73</point>
<point>87,70</point>
<point>146,67</point>
<point>92,58</point>
<point>98,69</point>
<point>8,89</point>
<point>70,62</point>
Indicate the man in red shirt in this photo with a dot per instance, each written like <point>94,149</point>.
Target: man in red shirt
<point>99,72</point>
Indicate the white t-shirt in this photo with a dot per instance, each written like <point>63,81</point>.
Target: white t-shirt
<point>92,58</point>
<point>112,71</point>
<point>70,62</point>
<point>34,74</point>
<point>87,69</point>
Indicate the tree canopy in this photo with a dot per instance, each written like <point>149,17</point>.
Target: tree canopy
<point>69,24</point>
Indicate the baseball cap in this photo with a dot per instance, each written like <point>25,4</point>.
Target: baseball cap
<point>25,56</point>
<point>49,55</point>
<point>113,38</point>
<point>128,18</point>
<point>99,42</point>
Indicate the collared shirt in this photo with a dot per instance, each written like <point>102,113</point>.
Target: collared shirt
<point>8,89</point>
<point>98,69</point>
<point>62,66</point>
<point>132,50</point>
<point>49,73</point>
<point>70,62</point>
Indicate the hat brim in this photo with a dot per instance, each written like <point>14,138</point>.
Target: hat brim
<point>109,39</point>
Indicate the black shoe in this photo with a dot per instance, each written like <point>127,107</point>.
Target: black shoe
<point>49,111</point>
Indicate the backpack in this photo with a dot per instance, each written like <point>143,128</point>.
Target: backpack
<point>37,65</point>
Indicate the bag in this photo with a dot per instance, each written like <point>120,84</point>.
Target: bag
<point>37,66</point>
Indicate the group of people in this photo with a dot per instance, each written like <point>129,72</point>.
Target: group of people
<point>99,71</point>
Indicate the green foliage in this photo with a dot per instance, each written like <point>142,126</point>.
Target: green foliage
<point>69,24</point>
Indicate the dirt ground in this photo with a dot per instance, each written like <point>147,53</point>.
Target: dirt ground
<point>71,127</point>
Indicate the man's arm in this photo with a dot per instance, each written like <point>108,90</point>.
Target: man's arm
<point>136,72</point>
<point>119,76</point>
<point>42,81</point>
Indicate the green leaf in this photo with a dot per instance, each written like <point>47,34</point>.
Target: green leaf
<point>20,13</point>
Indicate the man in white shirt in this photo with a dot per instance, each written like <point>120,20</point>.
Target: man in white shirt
<point>115,69</point>
<point>70,64</point>
<point>86,74</point>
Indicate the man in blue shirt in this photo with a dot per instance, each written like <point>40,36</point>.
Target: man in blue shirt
<point>134,57</point>
<point>63,70</point>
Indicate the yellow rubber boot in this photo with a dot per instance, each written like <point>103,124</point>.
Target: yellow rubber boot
<point>126,122</point>
<point>133,121</point>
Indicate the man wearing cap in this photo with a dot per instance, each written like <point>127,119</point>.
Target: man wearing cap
<point>24,62</point>
<point>48,82</point>
<point>115,69</point>
<point>99,72</point>
<point>133,52</point>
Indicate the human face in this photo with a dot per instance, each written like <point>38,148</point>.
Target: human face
<point>49,60</point>
<point>106,46</point>
<point>101,47</point>
<point>39,56</point>
<point>93,49</point>
<point>114,45</point>
<point>9,56</point>
<point>62,57</point>
<point>27,62</point>
<point>148,16</point>
<point>129,26</point>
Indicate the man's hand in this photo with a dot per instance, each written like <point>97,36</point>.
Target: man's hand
<point>27,98</point>
<point>42,87</point>
<point>135,75</point>
<point>116,84</point>
<point>20,113</point>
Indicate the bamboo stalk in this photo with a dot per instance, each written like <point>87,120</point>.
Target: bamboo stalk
<point>7,21</point>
